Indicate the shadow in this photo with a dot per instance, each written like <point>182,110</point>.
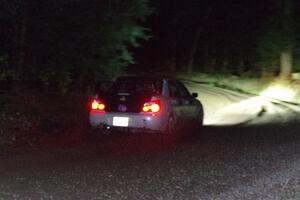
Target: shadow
<point>255,137</point>
<point>135,143</point>
<point>210,139</point>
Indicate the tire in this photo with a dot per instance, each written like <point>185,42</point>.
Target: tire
<point>169,134</point>
<point>171,126</point>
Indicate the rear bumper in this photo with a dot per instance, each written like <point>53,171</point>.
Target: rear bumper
<point>137,121</point>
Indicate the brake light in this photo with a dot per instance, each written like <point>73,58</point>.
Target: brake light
<point>97,105</point>
<point>152,106</point>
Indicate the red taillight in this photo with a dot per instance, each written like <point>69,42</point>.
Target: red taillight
<point>152,106</point>
<point>97,105</point>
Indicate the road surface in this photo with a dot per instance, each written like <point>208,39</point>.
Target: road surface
<point>248,149</point>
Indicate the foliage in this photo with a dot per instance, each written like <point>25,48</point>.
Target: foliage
<point>269,49</point>
<point>75,40</point>
<point>297,38</point>
<point>297,57</point>
<point>277,35</point>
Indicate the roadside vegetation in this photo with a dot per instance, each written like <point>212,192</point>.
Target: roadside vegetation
<point>29,119</point>
<point>274,88</point>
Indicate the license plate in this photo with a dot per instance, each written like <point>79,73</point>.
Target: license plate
<point>120,121</point>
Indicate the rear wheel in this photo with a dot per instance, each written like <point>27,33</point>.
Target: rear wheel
<point>168,135</point>
<point>171,126</point>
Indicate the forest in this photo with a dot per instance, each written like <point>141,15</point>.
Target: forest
<point>62,45</point>
<point>66,45</point>
<point>235,37</point>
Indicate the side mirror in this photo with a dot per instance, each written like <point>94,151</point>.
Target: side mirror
<point>194,95</point>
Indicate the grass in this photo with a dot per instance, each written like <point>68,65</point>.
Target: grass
<point>288,91</point>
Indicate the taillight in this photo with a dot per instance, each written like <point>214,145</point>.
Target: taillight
<point>152,106</point>
<point>97,105</point>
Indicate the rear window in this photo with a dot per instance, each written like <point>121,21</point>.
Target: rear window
<point>138,86</point>
<point>103,87</point>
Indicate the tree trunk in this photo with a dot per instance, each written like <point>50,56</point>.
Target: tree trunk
<point>286,60</point>
<point>241,67</point>
<point>190,65</point>
<point>213,64</point>
<point>22,43</point>
<point>286,56</point>
<point>19,41</point>
<point>206,57</point>
<point>225,66</point>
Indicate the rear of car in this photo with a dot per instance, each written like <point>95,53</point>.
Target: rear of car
<point>131,103</point>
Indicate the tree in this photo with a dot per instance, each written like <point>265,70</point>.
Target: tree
<point>196,38</point>
<point>60,43</point>
<point>15,13</point>
<point>277,40</point>
<point>286,55</point>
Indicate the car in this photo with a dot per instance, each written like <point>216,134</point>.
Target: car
<point>146,104</point>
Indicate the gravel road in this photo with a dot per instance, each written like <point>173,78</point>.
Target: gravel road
<point>252,157</point>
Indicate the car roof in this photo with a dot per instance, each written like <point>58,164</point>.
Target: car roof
<point>143,77</point>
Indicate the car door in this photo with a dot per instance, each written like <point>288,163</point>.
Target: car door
<point>176,100</point>
<point>190,106</point>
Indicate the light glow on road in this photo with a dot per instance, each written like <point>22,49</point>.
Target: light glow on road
<point>238,113</point>
<point>279,92</point>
